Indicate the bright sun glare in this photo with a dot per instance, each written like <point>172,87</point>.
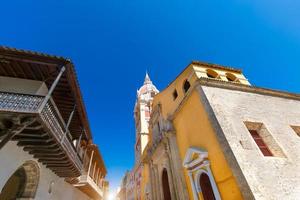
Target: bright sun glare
<point>111,196</point>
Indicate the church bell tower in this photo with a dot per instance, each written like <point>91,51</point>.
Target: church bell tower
<point>142,111</point>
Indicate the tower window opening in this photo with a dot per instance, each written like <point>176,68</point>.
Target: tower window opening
<point>186,86</point>
<point>211,74</point>
<point>175,94</point>
<point>231,77</point>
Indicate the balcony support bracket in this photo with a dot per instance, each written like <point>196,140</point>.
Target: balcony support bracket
<point>68,124</point>
<point>52,89</point>
<point>78,143</point>
<point>17,128</point>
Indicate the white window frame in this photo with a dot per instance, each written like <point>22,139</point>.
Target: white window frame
<point>196,167</point>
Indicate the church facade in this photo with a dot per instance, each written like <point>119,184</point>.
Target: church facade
<point>212,135</point>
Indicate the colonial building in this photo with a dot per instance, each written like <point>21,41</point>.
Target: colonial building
<point>132,183</point>
<point>46,145</point>
<point>212,135</point>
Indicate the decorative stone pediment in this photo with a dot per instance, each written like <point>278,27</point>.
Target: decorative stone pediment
<point>194,156</point>
<point>196,163</point>
<point>167,126</point>
<point>160,127</point>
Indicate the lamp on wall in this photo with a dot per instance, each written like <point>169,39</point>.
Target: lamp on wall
<point>50,187</point>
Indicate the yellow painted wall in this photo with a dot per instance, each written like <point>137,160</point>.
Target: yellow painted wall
<point>145,180</point>
<point>165,97</point>
<point>193,129</point>
<point>191,73</point>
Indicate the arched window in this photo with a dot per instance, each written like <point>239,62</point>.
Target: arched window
<point>231,77</point>
<point>211,73</point>
<point>166,186</point>
<point>186,86</point>
<point>175,94</point>
<point>23,182</point>
<point>206,188</point>
<point>202,180</point>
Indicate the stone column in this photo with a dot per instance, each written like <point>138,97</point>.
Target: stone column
<point>171,172</point>
<point>158,184</point>
<point>152,181</point>
<point>176,165</point>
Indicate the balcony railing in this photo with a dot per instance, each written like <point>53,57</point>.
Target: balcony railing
<point>49,115</point>
<point>19,102</point>
<point>53,120</point>
<point>88,180</point>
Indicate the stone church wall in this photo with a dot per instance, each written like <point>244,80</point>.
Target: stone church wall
<point>269,177</point>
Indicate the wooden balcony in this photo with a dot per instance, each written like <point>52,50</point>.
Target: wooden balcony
<point>88,185</point>
<point>39,127</point>
<point>45,125</point>
<point>92,180</point>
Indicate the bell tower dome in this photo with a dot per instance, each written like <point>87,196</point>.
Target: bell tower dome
<point>142,111</point>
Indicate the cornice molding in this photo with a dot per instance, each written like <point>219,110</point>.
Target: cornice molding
<point>216,66</point>
<point>210,82</point>
<point>247,88</point>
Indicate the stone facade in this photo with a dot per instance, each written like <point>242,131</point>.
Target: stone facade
<point>275,177</point>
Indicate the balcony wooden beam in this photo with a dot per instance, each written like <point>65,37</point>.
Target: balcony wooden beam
<point>50,157</point>
<point>44,161</point>
<point>33,147</point>
<point>54,151</point>
<point>17,128</point>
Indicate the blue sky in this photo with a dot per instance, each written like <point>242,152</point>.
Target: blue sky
<point>113,43</point>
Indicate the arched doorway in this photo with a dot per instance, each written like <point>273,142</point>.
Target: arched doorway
<point>166,186</point>
<point>206,188</point>
<point>22,183</point>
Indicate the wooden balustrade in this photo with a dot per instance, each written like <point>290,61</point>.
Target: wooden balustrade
<point>52,122</point>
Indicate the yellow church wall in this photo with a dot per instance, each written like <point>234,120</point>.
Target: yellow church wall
<point>145,181</point>
<point>165,97</point>
<point>191,73</point>
<point>193,129</point>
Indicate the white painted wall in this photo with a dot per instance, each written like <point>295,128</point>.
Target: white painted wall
<point>12,157</point>
<point>23,86</point>
<point>269,177</point>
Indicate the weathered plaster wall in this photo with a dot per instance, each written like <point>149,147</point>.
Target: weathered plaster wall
<point>12,157</point>
<point>269,177</point>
